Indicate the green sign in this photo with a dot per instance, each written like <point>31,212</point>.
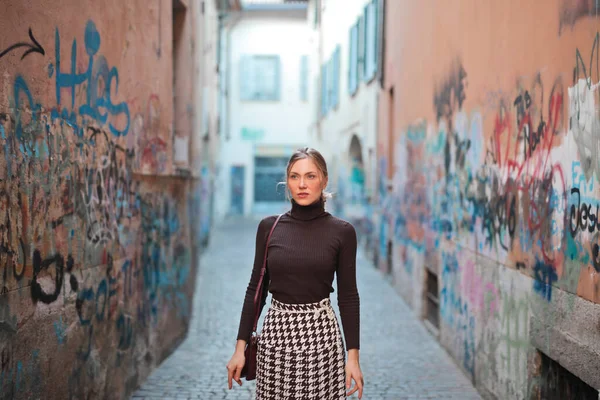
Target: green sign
<point>252,134</point>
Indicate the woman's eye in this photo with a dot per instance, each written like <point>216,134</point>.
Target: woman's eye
<point>311,176</point>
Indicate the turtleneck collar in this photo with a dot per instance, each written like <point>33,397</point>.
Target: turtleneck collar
<point>308,212</point>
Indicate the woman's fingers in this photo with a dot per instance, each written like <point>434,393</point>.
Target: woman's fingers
<point>237,376</point>
<point>360,383</point>
<point>234,374</point>
<point>229,376</point>
<point>358,386</point>
<point>354,389</point>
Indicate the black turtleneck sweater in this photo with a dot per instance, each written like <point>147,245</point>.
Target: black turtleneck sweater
<point>308,247</point>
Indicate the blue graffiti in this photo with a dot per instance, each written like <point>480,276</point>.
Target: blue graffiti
<point>544,276</point>
<point>20,87</point>
<point>21,377</point>
<point>455,311</point>
<point>469,345</point>
<point>96,76</point>
<point>451,303</point>
<point>60,330</point>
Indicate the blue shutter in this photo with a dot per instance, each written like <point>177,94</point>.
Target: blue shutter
<point>371,41</point>
<point>324,98</point>
<point>361,49</point>
<point>277,77</point>
<point>246,78</point>
<point>365,35</point>
<point>376,35</point>
<point>304,78</point>
<point>353,60</point>
<point>330,83</point>
<point>335,67</point>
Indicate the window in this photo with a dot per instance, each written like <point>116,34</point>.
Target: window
<point>432,303</point>
<point>304,78</point>
<point>259,78</point>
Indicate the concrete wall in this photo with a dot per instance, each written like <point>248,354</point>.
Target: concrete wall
<point>97,233</point>
<point>491,144</point>
<point>279,126</point>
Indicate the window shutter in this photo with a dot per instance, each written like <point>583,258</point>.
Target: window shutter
<point>361,49</point>
<point>365,44</point>
<point>304,78</point>
<point>330,83</point>
<point>336,77</point>
<point>277,76</point>
<point>246,77</point>
<point>324,99</point>
<point>376,25</point>
<point>353,60</point>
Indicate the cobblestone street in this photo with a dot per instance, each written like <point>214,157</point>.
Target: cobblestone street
<point>399,358</point>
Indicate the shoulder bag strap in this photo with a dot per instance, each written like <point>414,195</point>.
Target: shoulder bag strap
<point>259,288</point>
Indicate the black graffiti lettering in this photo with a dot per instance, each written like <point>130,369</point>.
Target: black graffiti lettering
<point>32,48</point>
<point>583,216</point>
<point>512,217</point>
<point>574,214</point>
<point>595,257</point>
<point>37,292</point>
<point>593,220</point>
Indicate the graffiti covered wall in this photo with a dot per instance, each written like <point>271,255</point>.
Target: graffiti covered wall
<point>496,182</point>
<point>96,241</point>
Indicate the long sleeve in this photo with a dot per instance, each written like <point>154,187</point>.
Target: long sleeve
<point>348,298</point>
<point>247,317</point>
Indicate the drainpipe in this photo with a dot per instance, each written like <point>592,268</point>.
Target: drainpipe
<point>230,25</point>
<point>320,63</point>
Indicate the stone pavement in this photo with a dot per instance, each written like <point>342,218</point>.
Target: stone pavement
<point>399,358</point>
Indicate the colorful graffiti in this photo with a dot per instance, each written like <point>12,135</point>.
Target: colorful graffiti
<point>511,184</point>
<point>90,255</point>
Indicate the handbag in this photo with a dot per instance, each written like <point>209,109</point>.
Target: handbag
<point>249,370</point>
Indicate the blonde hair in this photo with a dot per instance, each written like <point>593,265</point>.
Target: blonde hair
<point>317,158</point>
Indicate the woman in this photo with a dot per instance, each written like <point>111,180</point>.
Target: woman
<point>300,350</point>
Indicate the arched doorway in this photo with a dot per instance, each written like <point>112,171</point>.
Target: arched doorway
<point>357,171</point>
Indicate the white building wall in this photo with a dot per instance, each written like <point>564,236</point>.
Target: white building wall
<point>279,126</point>
<point>355,114</point>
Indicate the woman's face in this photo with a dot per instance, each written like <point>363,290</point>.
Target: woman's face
<point>305,182</point>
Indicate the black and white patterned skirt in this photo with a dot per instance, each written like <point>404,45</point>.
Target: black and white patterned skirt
<point>300,353</point>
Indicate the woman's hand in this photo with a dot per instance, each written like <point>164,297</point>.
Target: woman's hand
<point>353,372</point>
<point>236,364</point>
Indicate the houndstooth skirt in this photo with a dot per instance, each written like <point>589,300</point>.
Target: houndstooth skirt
<point>300,353</point>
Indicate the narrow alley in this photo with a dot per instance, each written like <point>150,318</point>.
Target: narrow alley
<point>399,358</point>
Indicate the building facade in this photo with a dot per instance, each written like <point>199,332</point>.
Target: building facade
<point>264,104</point>
<point>487,208</point>
<point>346,39</point>
<point>99,192</point>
